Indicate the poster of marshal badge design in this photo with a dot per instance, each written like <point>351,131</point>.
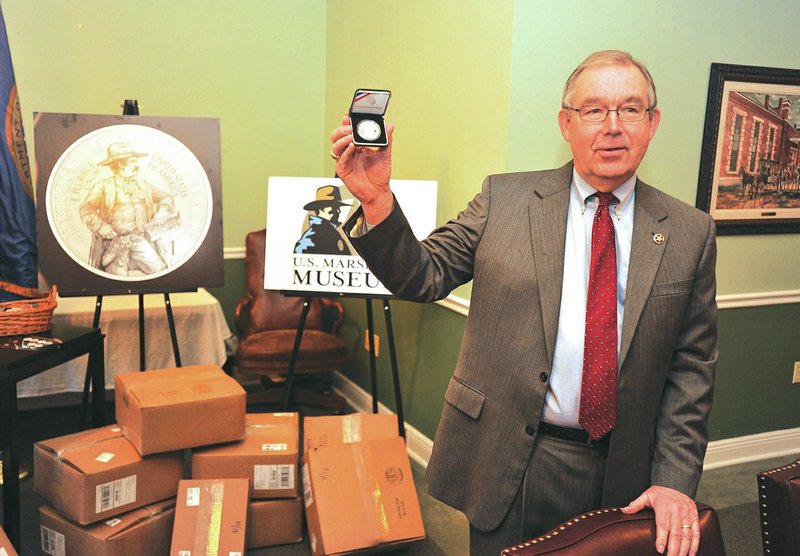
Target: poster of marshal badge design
<point>306,248</point>
<point>128,204</point>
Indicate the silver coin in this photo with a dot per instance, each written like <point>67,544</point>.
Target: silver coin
<point>369,130</point>
<point>129,202</point>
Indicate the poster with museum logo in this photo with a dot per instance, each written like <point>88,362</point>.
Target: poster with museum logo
<point>128,204</point>
<point>306,248</point>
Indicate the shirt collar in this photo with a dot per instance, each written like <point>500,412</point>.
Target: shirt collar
<point>584,191</point>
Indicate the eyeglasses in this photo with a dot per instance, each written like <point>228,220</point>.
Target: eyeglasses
<point>625,113</point>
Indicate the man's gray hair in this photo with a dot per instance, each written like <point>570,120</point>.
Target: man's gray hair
<point>609,58</point>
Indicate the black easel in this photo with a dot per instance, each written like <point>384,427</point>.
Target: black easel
<point>130,107</point>
<point>287,391</point>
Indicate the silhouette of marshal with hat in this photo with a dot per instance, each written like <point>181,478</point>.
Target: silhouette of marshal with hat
<point>322,236</point>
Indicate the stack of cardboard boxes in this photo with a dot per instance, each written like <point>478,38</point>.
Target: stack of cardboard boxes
<point>119,490</point>
<point>112,490</point>
<point>357,485</point>
<point>268,456</point>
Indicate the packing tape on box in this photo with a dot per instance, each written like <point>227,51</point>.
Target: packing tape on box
<point>371,494</point>
<point>264,427</point>
<point>147,513</point>
<point>158,509</point>
<point>114,432</point>
<point>351,428</point>
<point>162,386</point>
<point>203,382</point>
<point>280,430</point>
<point>207,537</point>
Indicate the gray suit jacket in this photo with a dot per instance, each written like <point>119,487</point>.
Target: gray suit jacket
<point>510,242</point>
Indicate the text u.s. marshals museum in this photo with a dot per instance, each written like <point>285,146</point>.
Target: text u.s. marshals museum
<point>332,272</point>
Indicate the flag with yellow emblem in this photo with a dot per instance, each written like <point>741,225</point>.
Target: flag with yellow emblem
<point>18,268</point>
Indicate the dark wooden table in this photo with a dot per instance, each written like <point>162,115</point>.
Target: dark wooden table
<point>19,364</point>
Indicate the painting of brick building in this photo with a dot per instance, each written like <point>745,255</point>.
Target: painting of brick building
<point>758,164</point>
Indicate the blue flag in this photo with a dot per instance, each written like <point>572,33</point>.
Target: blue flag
<point>18,268</point>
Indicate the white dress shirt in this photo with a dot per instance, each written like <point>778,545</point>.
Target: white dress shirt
<point>563,395</point>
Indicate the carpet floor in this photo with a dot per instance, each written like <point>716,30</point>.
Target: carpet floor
<point>741,531</point>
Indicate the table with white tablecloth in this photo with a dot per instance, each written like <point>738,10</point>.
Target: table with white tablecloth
<point>200,326</point>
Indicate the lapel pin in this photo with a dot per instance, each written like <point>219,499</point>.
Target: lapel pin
<point>658,239</point>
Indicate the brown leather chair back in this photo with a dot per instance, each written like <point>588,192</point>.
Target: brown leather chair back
<point>268,309</point>
<point>779,509</point>
<point>609,532</point>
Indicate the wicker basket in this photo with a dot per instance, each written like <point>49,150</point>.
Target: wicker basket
<point>27,316</point>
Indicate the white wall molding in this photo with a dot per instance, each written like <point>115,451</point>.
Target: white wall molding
<point>720,453</point>
<point>232,253</point>
<point>731,301</point>
<point>455,303</point>
<point>460,305</point>
<point>418,445</point>
<point>753,447</point>
<point>758,299</point>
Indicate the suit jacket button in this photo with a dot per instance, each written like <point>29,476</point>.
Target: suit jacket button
<point>543,376</point>
<point>530,430</point>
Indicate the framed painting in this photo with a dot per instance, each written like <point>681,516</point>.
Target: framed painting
<point>750,163</point>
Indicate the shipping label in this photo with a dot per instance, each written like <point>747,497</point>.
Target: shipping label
<point>273,477</point>
<point>115,494</point>
<point>274,447</point>
<point>105,457</point>
<point>192,497</point>
<point>52,542</point>
<point>308,498</point>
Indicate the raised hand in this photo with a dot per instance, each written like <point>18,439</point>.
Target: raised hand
<point>365,171</point>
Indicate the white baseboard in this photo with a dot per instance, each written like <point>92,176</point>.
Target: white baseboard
<point>753,447</point>
<point>418,445</point>
<point>720,453</point>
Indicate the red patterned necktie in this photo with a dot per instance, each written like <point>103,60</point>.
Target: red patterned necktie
<point>599,385</point>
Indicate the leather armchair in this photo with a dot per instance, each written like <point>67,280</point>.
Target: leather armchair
<point>268,320</point>
<point>779,509</point>
<point>609,532</point>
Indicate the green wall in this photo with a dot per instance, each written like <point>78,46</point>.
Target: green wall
<point>678,40</point>
<point>758,347</point>
<point>476,87</point>
<point>258,66</point>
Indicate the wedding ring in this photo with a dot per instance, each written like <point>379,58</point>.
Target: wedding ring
<point>686,526</point>
<point>333,156</point>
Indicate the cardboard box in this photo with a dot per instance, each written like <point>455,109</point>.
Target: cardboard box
<point>273,522</point>
<point>171,409</point>
<point>6,549</point>
<point>344,429</point>
<point>360,496</point>
<point>211,517</point>
<point>143,531</point>
<point>268,456</point>
<point>95,474</point>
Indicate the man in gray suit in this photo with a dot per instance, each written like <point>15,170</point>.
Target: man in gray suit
<point>511,450</point>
